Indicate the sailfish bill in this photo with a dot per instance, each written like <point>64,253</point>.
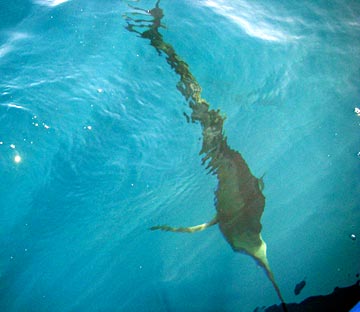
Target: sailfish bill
<point>239,199</point>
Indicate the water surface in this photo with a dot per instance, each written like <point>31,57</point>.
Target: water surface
<point>95,149</point>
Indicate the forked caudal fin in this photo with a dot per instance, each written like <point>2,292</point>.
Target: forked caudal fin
<point>190,229</point>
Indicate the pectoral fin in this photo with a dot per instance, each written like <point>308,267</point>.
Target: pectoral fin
<point>261,182</point>
<point>191,229</point>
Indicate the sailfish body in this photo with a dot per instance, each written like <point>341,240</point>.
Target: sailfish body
<point>239,204</point>
<point>239,199</point>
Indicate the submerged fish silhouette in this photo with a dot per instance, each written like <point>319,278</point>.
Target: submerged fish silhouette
<point>239,198</point>
<point>299,287</point>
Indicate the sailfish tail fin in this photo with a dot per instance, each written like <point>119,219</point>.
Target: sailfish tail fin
<point>260,256</point>
<point>190,229</point>
<point>276,287</point>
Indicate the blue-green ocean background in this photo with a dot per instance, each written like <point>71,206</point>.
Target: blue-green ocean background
<point>93,113</point>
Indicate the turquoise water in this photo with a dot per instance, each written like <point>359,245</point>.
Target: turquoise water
<point>95,149</point>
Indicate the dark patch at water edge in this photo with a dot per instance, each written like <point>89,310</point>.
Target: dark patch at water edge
<point>340,300</point>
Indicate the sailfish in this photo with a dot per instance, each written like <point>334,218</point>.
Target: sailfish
<point>239,199</point>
